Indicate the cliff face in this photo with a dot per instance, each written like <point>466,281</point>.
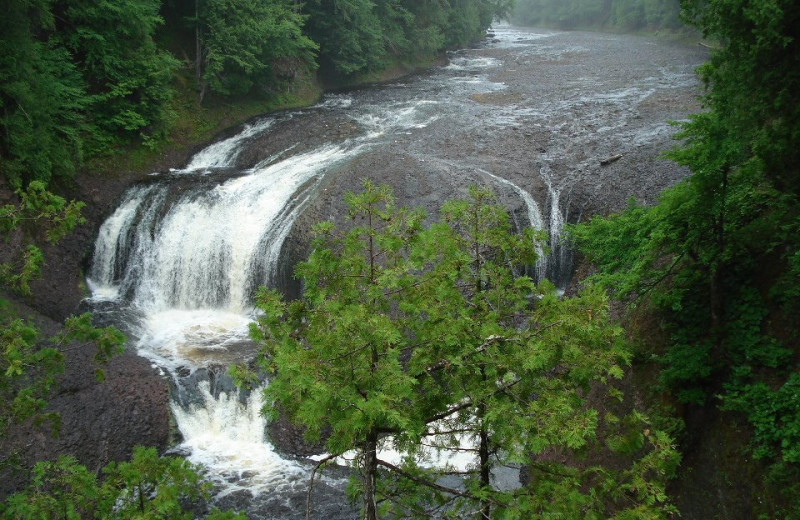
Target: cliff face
<point>100,421</point>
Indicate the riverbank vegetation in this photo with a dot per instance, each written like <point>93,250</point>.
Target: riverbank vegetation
<point>622,15</point>
<point>30,370</point>
<point>718,258</point>
<point>84,79</point>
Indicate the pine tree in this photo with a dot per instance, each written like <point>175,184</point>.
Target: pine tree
<point>412,337</point>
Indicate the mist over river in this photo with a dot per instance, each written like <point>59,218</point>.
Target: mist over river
<point>530,113</point>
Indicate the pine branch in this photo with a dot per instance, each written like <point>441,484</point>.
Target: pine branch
<point>428,483</point>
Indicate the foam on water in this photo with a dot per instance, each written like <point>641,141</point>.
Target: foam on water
<point>223,153</point>
<point>194,338</point>
<point>461,63</point>
<point>399,117</point>
<point>226,436</point>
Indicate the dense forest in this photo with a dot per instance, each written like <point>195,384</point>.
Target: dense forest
<point>716,262</point>
<point>626,15</point>
<point>78,78</point>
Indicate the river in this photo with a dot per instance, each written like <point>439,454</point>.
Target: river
<point>531,113</point>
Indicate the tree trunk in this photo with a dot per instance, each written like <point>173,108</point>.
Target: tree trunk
<point>716,289</point>
<point>483,454</point>
<point>370,509</point>
<point>198,51</point>
<point>485,467</point>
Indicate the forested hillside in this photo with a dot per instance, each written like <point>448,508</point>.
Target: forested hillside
<point>717,260</point>
<point>627,15</point>
<point>83,81</point>
<point>79,77</point>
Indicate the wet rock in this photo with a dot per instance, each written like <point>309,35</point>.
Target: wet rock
<point>100,421</point>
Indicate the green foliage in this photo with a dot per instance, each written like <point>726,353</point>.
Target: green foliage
<point>246,40</point>
<point>79,77</point>
<point>29,368</point>
<point>349,35</point>
<point>147,487</point>
<point>60,489</point>
<point>747,82</point>
<point>617,14</point>
<point>718,256</point>
<point>361,36</point>
<point>429,333</point>
<point>127,76</point>
<point>28,374</point>
<point>39,216</point>
<point>75,77</point>
<point>774,415</point>
<point>42,98</point>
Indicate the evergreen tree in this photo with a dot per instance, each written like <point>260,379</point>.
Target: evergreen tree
<point>349,35</point>
<point>251,44</point>
<point>146,487</point>
<point>412,337</point>
<point>698,255</point>
<point>42,98</point>
<point>127,76</point>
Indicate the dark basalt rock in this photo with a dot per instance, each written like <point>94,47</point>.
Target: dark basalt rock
<point>100,421</point>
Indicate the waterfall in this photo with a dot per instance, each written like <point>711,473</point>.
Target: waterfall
<point>534,220</point>
<point>170,245</point>
<point>223,153</point>
<point>182,256</point>
<point>226,434</point>
<point>177,263</point>
<point>557,270</point>
<point>552,264</point>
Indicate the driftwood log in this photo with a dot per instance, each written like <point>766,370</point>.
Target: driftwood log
<point>609,160</point>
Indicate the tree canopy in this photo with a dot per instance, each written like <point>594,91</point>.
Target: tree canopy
<point>427,339</point>
<point>719,255</point>
<point>80,78</point>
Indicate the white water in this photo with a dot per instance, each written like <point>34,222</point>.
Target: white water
<point>227,436</point>
<point>187,258</point>
<point>223,153</point>
<point>212,247</point>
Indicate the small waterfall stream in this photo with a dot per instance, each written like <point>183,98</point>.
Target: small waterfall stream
<point>177,263</point>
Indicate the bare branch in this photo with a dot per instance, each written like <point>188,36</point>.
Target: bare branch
<point>428,483</point>
<point>311,482</point>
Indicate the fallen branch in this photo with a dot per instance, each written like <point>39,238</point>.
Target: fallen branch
<point>613,158</point>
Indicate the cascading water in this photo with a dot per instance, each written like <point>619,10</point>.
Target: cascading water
<point>178,262</point>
